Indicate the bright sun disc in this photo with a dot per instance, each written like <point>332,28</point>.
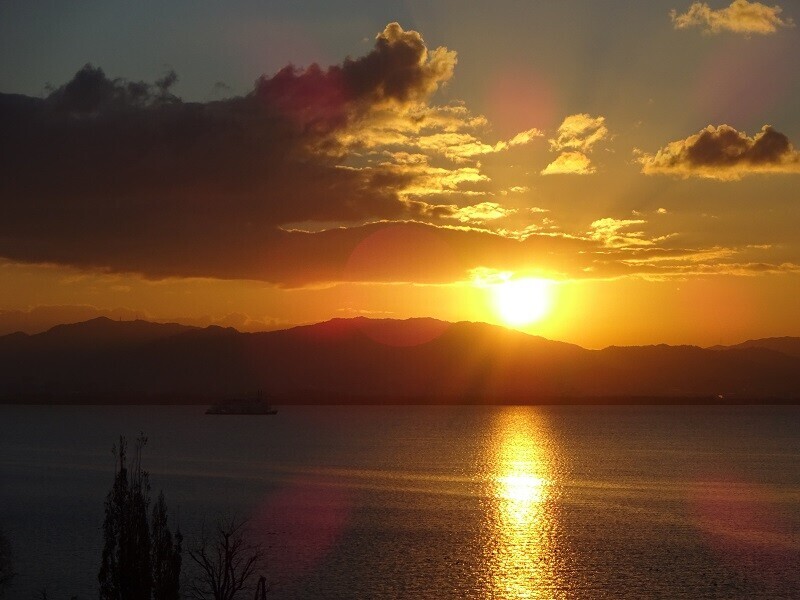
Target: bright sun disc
<point>522,301</point>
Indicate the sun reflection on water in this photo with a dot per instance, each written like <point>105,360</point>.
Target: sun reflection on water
<point>520,545</point>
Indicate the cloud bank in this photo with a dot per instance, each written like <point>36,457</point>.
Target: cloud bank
<point>740,17</point>
<point>125,176</point>
<point>349,173</point>
<point>724,153</point>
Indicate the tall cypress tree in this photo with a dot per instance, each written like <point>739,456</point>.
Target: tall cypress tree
<point>125,570</point>
<point>166,554</point>
<point>6,565</point>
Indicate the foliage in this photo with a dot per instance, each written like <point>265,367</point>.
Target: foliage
<point>6,565</point>
<point>165,554</point>
<point>135,562</point>
<point>227,562</point>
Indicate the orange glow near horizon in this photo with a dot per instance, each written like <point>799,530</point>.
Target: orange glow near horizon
<point>590,313</point>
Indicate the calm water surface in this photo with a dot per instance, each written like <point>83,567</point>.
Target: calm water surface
<point>431,502</point>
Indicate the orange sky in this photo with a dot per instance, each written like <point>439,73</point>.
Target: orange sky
<point>638,190</point>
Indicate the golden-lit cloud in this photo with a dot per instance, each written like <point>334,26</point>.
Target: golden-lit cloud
<point>524,137</point>
<point>658,262</point>
<point>740,17</point>
<point>423,179</point>
<point>457,140</point>
<point>613,233</point>
<point>579,132</point>
<point>570,163</point>
<point>724,153</point>
<point>480,213</point>
<point>576,137</point>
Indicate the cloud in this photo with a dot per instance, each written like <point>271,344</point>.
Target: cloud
<point>123,175</point>
<point>740,17</point>
<point>423,179</point>
<point>479,213</point>
<point>579,132</point>
<point>459,145</point>
<point>612,233</point>
<point>724,153</point>
<point>577,136</point>
<point>400,68</point>
<point>572,163</point>
<point>316,176</point>
<point>524,137</point>
<point>399,72</point>
<point>412,251</point>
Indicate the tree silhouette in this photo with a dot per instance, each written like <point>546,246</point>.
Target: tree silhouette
<point>165,554</point>
<point>136,564</point>
<point>226,562</point>
<point>6,565</point>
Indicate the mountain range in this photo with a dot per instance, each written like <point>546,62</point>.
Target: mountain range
<point>363,360</point>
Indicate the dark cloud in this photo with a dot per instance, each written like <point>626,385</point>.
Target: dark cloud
<point>124,175</point>
<point>413,252</point>
<point>724,153</point>
<point>90,92</point>
<point>377,252</point>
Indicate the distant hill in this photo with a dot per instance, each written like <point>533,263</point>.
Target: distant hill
<point>785,345</point>
<point>383,360</point>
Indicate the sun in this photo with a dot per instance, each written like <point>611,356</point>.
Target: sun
<point>522,301</point>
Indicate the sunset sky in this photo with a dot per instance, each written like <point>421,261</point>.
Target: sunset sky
<point>594,172</point>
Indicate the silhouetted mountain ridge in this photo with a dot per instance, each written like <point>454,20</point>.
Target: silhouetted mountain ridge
<point>784,345</point>
<point>375,360</point>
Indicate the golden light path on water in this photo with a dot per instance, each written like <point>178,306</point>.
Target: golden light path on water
<point>520,545</point>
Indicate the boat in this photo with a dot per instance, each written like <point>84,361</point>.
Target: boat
<point>242,406</point>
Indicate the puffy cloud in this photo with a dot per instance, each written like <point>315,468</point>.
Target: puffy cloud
<point>399,69</point>
<point>724,153</point>
<point>740,17</point>
<point>579,132</point>
<point>577,135</point>
<point>570,163</point>
<point>398,72</point>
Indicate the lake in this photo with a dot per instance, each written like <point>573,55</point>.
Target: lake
<point>430,502</point>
